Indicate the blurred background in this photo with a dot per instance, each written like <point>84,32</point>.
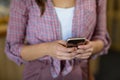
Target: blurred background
<point>105,67</point>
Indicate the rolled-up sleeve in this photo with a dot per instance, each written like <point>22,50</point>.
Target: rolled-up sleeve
<point>16,30</point>
<point>100,31</point>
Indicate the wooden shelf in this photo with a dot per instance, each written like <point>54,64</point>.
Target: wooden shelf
<point>3,29</point>
<point>3,25</point>
<point>4,20</point>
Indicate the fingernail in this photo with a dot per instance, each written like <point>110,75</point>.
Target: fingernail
<point>79,46</point>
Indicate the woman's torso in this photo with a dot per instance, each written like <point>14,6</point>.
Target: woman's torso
<point>47,28</point>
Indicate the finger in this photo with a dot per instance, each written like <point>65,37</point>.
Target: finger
<point>61,54</point>
<point>64,49</point>
<point>62,42</point>
<point>69,50</point>
<point>83,55</point>
<point>64,58</point>
<point>80,51</point>
<point>87,46</point>
<point>89,50</point>
<point>86,42</point>
<point>86,57</point>
<point>86,54</point>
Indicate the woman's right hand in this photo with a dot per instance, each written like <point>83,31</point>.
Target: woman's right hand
<point>58,49</point>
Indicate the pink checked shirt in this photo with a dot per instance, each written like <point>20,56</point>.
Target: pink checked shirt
<point>26,25</point>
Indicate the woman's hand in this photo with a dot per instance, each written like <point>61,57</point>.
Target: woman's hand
<point>85,51</point>
<point>57,49</point>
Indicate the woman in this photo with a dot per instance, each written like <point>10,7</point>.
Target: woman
<point>37,34</point>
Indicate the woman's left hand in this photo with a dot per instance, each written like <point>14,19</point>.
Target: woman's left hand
<point>84,51</point>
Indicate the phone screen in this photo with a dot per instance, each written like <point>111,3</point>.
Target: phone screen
<point>74,42</point>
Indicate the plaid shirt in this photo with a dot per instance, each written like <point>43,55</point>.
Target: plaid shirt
<point>26,24</point>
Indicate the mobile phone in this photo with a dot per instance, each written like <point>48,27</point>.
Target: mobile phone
<point>74,42</point>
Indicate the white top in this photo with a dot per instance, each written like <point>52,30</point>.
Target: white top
<point>65,16</point>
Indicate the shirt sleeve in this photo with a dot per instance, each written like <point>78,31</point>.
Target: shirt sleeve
<point>16,30</point>
<point>100,31</point>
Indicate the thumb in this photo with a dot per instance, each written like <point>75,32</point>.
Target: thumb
<point>62,42</point>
